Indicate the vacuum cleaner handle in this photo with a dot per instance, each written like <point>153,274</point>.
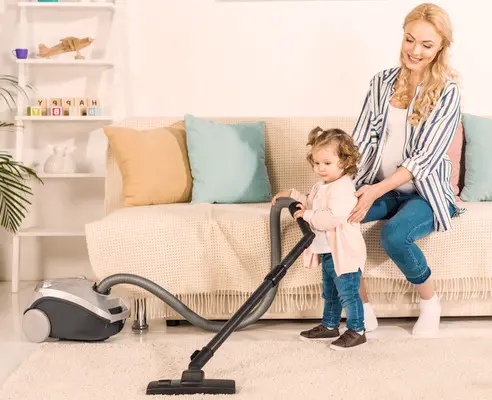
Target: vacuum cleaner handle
<point>192,380</point>
<point>304,225</point>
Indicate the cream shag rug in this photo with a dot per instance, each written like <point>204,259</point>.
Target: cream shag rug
<point>283,370</point>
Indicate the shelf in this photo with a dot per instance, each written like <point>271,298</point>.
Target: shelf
<point>67,5</point>
<point>80,175</point>
<point>59,67</point>
<point>73,62</point>
<point>64,118</point>
<point>36,232</point>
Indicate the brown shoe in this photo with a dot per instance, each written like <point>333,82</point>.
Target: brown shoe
<point>320,332</point>
<point>348,340</point>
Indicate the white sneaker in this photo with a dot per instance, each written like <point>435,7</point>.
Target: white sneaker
<point>428,322</point>
<point>370,320</point>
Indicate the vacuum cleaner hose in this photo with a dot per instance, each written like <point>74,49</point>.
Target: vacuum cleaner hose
<point>192,317</point>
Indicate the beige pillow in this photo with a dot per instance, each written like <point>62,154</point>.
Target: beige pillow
<point>153,163</point>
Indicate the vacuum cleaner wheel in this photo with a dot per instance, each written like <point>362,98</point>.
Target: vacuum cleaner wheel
<point>36,325</point>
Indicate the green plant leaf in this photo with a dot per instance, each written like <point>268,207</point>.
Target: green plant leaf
<point>3,93</point>
<point>16,204</point>
<point>13,81</point>
<point>8,93</point>
<point>14,191</point>
<point>12,211</point>
<point>6,125</point>
<point>13,184</point>
<point>9,88</point>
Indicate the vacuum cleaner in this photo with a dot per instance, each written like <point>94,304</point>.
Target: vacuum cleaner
<point>79,310</point>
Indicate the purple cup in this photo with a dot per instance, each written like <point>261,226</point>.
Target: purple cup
<point>20,53</point>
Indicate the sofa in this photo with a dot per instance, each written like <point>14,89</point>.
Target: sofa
<point>212,256</point>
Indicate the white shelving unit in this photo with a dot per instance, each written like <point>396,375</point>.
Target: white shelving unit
<point>37,232</point>
<point>64,118</point>
<point>67,63</point>
<point>22,120</point>
<point>78,175</point>
<point>67,5</point>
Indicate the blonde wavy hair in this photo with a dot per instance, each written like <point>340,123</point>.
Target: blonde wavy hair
<point>347,151</point>
<point>437,72</point>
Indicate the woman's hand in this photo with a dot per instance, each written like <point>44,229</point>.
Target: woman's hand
<point>285,193</point>
<point>299,213</point>
<point>367,195</point>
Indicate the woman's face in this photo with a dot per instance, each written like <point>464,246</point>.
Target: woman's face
<point>420,45</point>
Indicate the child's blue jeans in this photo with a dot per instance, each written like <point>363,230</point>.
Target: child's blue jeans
<point>341,292</point>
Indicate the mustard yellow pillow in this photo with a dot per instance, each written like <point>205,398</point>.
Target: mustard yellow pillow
<point>154,164</point>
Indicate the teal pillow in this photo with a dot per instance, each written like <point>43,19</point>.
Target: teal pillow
<point>478,162</point>
<point>227,161</point>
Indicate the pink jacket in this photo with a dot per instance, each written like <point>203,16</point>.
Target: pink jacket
<point>345,239</point>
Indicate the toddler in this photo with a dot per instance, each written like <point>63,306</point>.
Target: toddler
<point>338,244</point>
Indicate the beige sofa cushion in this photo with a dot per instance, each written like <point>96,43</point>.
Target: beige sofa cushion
<point>153,163</point>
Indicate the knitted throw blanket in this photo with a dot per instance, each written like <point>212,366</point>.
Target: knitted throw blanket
<point>212,256</point>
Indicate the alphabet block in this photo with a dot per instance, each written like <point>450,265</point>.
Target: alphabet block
<point>67,103</point>
<point>34,111</point>
<point>94,111</point>
<point>56,102</point>
<point>56,111</point>
<point>92,102</point>
<point>42,102</point>
<point>81,102</point>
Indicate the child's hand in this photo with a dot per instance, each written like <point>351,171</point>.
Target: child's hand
<point>285,193</point>
<point>299,213</point>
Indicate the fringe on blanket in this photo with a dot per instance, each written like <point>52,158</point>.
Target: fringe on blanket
<point>460,288</point>
<point>309,297</point>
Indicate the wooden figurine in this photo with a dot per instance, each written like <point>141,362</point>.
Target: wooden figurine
<point>67,44</point>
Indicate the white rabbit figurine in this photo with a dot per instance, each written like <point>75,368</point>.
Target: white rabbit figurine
<point>61,161</point>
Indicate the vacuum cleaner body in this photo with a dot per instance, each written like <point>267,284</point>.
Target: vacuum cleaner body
<point>70,309</point>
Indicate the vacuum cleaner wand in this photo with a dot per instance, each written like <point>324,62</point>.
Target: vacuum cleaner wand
<point>192,380</point>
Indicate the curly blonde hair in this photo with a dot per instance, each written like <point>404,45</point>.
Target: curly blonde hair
<point>438,71</point>
<point>347,151</point>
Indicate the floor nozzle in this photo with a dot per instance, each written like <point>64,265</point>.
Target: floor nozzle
<point>192,382</point>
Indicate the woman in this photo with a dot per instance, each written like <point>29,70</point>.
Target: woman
<point>407,122</point>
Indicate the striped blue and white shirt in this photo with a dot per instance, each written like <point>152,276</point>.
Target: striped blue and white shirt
<point>426,145</point>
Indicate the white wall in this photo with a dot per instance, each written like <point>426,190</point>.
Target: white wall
<point>247,58</point>
<point>285,57</point>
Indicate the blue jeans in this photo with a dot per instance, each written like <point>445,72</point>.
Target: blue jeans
<point>341,291</point>
<point>409,217</point>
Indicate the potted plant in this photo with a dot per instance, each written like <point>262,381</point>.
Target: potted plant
<point>14,190</point>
